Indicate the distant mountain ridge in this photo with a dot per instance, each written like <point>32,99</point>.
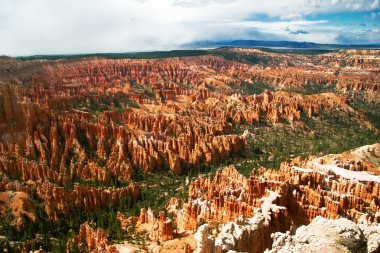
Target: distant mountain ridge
<point>264,43</point>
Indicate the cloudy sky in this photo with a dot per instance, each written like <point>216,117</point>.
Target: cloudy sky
<point>86,26</point>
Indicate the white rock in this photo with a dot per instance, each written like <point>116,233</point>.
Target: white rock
<point>324,235</point>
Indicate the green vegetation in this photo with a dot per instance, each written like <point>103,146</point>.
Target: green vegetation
<point>297,50</point>
<point>186,86</point>
<point>310,89</point>
<point>150,93</point>
<point>368,107</point>
<point>93,103</point>
<point>247,88</point>
<point>322,135</point>
<point>53,236</point>
<point>232,56</point>
<point>228,54</point>
<point>6,227</point>
<point>162,185</point>
<point>146,89</point>
<point>130,103</point>
<point>139,55</point>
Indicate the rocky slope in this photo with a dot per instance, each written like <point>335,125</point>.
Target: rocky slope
<point>278,201</point>
<point>80,136</point>
<point>323,235</point>
<point>328,203</point>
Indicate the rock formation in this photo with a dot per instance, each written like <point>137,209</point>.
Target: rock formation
<point>152,114</point>
<point>324,235</point>
<point>60,202</point>
<point>78,132</point>
<point>160,228</point>
<point>93,240</point>
<point>272,201</point>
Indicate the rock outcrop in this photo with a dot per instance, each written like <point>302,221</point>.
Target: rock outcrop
<point>160,228</point>
<point>59,202</point>
<point>79,131</point>
<point>92,240</point>
<point>324,235</point>
<point>74,117</point>
<point>270,201</point>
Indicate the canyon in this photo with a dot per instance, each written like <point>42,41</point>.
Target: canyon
<point>169,149</point>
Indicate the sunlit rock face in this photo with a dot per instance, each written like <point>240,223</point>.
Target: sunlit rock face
<point>60,202</point>
<point>167,114</point>
<point>302,191</point>
<point>75,134</point>
<point>92,240</point>
<point>298,208</point>
<point>324,235</point>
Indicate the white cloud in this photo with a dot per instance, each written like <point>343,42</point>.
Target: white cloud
<point>198,3</point>
<point>375,4</point>
<point>72,26</point>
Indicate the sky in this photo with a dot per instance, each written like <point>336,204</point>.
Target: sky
<point>29,27</point>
